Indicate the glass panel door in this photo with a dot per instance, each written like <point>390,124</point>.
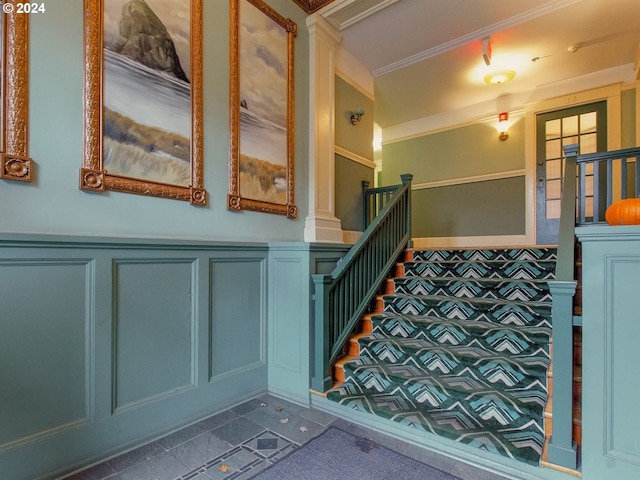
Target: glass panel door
<point>585,125</point>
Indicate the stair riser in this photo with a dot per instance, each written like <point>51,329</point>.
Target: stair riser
<point>506,314</point>
<point>482,255</point>
<point>515,270</point>
<point>499,341</point>
<point>511,372</point>
<point>503,290</point>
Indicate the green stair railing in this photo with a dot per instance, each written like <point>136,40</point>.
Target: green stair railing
<point>343,296</point>
<point>580,206</point>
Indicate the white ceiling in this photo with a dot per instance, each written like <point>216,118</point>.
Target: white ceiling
<point>426,55</point>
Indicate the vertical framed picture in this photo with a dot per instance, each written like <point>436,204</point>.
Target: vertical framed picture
<point>143,98</point>
<point>15,163</point>
<point>261,109</point>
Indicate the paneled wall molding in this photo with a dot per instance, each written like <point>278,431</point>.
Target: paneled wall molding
<point>108,343</point>
<point>474,179</point>
<point>354,156</point>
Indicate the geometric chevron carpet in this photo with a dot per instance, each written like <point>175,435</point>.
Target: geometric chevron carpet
<point>338,455</point>
<point>460,349</point>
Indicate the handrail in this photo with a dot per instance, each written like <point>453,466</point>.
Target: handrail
<point>343,296</point>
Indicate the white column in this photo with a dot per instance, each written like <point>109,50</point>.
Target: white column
<point>321,224</point>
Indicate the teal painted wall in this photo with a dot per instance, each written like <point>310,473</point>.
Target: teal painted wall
<point>462,152</point>
<point>486,208</point>
<point>139,315</point>
<point>53,203</point>
<point>628,103</point>
<point>356,139</point>
<point>483,208</point>
<point>349,177</point>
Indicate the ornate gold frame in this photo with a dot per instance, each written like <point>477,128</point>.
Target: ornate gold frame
<point>93,176</point>
<point>15,163</point>
<point>311,6</point>
<point>234,200</point>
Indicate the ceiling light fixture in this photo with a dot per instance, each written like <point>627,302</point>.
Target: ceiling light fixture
<point>500,77</point>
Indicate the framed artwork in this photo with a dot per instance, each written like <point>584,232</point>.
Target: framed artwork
<point>15,163</point>
<point>261,109</point>
<point>143,98</point>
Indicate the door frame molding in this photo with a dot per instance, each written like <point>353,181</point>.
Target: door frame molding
<point>611,93</point>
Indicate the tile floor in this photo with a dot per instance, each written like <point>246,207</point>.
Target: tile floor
<point>238,443</point>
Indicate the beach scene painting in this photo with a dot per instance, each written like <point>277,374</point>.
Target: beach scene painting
<point>262,124</point>
<point>146,112</point>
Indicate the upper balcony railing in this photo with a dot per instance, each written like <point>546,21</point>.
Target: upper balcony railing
<point>591,184</point>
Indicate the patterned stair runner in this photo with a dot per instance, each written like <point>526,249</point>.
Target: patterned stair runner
<point>461,350</point>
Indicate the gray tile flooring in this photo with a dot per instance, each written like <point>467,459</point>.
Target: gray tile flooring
<point>238,443</point>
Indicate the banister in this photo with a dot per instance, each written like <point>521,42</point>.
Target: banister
<point>343,296</point>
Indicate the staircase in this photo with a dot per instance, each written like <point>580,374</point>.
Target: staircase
<point>458,346</point>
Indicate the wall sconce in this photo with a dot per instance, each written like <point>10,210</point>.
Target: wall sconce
<point>503,126</point>
<point>356,116</point>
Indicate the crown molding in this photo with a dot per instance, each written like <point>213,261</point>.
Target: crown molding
<point>534,13</point>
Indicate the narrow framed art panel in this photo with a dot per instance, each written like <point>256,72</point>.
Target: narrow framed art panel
<point>143,98</point>
<point>15,163</point>
<point>261,109</point>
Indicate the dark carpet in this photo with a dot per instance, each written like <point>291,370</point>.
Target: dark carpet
<point>336,454</point>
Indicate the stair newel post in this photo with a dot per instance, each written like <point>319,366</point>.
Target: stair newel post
<point>365,205</point>
<point>406,180</point>
<point>562,449</point>
<point>321,381</point>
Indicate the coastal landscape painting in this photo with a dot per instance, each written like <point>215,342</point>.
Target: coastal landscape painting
<point>147,99</point>
<point>261,109</point>
<point>150,117</point>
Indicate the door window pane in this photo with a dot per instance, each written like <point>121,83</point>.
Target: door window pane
<point>554,149</point>
<point>554,169</point>
<point>588,122</point>
<point>553,209</point>
<point>552,129</point>
<point>570,126</point>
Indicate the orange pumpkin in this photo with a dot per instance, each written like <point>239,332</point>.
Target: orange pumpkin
<point>624,212</point>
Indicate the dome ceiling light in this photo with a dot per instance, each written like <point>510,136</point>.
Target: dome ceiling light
<point>500,77</point>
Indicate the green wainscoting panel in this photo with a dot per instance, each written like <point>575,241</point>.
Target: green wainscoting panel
<point>610,353</point>
<point>238,315</point>
<point>108,343</point>
<point>489,208</point>
<point>154,353</point>
<point>45,348</point>
<point>291,313</point>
